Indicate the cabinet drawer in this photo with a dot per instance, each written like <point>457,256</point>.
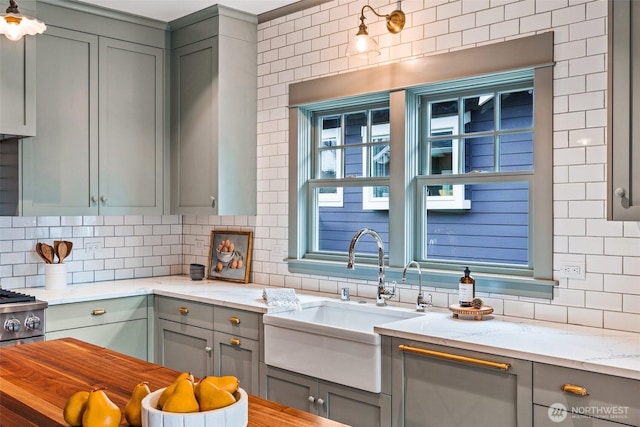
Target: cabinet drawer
<point>609,397</point>
<point>91,313</point>
<point>550,417</point>
<point>185,312</point>
<point>237,322</point>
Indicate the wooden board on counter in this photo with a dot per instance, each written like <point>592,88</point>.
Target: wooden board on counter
<point>36,380</point>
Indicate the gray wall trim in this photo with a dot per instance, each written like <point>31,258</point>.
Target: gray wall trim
<point>525,52</point>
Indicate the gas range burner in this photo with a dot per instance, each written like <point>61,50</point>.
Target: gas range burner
<point>7,296</point>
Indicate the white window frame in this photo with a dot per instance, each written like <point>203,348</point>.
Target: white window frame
<point>334,200</point>
<point>369,200</point>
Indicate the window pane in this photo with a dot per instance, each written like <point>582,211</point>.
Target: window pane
<point>380,160</point>
<point>479,113</point>
<point>353,162</point>
<point>442,157</point>
<point>336,225</point>
<point>516,152</point>
<point>517,110</point>
<point>355,128</point>
<point>493,230</point>
<point>479,154</point>
<point>444,118</point>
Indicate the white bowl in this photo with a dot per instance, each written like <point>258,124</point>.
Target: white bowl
<point>236,415</point>
<point>225,256</point>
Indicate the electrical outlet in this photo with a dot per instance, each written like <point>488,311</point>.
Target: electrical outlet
<point>573,270</point>
<point>92,247</point>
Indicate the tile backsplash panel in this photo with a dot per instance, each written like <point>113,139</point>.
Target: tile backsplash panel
<point>127,247</point>
<point>310,44</point>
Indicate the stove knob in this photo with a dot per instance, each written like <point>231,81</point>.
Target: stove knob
<point>32,323</point>
<point>12,325</point>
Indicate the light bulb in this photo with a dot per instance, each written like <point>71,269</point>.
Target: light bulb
<point>14,32</point>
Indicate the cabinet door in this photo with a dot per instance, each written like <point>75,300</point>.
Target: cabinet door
<point>131,129</point>
<point>439,391</point>
<point>17,86</point>
<point>60,164</point>
<point>623,110</point>
<point>238,357</point>
<point>288,388</point>
<point>184,348</point>
<point>125,337</point>
<point>194,126</point>
<point>353,407</point>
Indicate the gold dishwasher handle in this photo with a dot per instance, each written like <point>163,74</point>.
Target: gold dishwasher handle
<point>578,390</point>
<point>183,310</point>
<point>98,311</point>
<point>234,320</point>
<point>455,357</point>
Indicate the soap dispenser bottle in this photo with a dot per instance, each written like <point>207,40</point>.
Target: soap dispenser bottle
<point>466,289</point>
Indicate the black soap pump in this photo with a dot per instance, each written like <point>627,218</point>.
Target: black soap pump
<point>466,289</point>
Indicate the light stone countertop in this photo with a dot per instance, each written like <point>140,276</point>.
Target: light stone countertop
<point>593,349</point>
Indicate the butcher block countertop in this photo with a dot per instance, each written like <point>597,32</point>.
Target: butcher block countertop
<point>36,379</point>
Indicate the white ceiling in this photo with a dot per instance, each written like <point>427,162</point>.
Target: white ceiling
<point>168,10</point>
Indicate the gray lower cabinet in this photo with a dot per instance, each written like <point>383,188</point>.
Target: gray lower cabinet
<point>184,335</point>
<point>184,348</point>
<point>441,386</point>
<point>237,337</point>
<point>571,397</point>
<point>120,324</point>
<point>357,408</point>
<point>99,148</point>
<point>214,114</point>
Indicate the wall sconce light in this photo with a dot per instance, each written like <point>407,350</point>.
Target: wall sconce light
<point>362,45</point>
<point>14,25</point>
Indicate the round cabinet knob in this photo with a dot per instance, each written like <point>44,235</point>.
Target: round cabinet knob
<point>103,199</point>
<point>312,399</point>
<point>12,325</point>
<point>620,192</point>
<point>208,349</point>
<point>32,323</point>
<point>320,402</point>
<point>93,199</point>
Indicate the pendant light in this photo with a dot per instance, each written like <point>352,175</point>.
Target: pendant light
<point>14,25</point>
<point>362,45</point>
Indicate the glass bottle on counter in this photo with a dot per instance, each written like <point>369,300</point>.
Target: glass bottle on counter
<point>466,289</point>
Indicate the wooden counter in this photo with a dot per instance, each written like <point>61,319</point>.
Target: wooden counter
<point>37,379</point>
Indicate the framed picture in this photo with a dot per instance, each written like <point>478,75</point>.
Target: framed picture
<point>230,255</point>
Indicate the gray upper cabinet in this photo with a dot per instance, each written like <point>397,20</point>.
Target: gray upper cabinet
<point>131,129</point>
<point>17,82</point>
<point>214,113</point>
<point>623,111</point>
<point>100,144</point>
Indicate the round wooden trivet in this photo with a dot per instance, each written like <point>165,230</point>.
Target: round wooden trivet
<point>477,313</point>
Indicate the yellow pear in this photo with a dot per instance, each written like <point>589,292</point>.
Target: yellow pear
<point>133,408</point>
<point>183,398</point>
<point>227,383</point>
<point>169,390</point>
<point>74,408</point>
<point>101,411</point>
<point>211,397</point>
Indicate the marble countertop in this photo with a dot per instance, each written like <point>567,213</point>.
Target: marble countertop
<point>593,349</point>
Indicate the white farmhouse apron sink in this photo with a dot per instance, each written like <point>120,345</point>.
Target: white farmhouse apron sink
<point>331,340</point>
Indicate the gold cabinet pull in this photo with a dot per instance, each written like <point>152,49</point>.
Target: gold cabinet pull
<point>234,320</point>
<point>455,357</point>
<point>183,310</point>
<point>234,341</point>
<point>98,311</point>
<point>578,390</point>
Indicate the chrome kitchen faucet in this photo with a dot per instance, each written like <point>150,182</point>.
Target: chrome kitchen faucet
<point>421,303</point>
<point>383,293</point>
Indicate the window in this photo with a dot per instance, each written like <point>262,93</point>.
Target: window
<point>450,172</point>
<point>352,148</point>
